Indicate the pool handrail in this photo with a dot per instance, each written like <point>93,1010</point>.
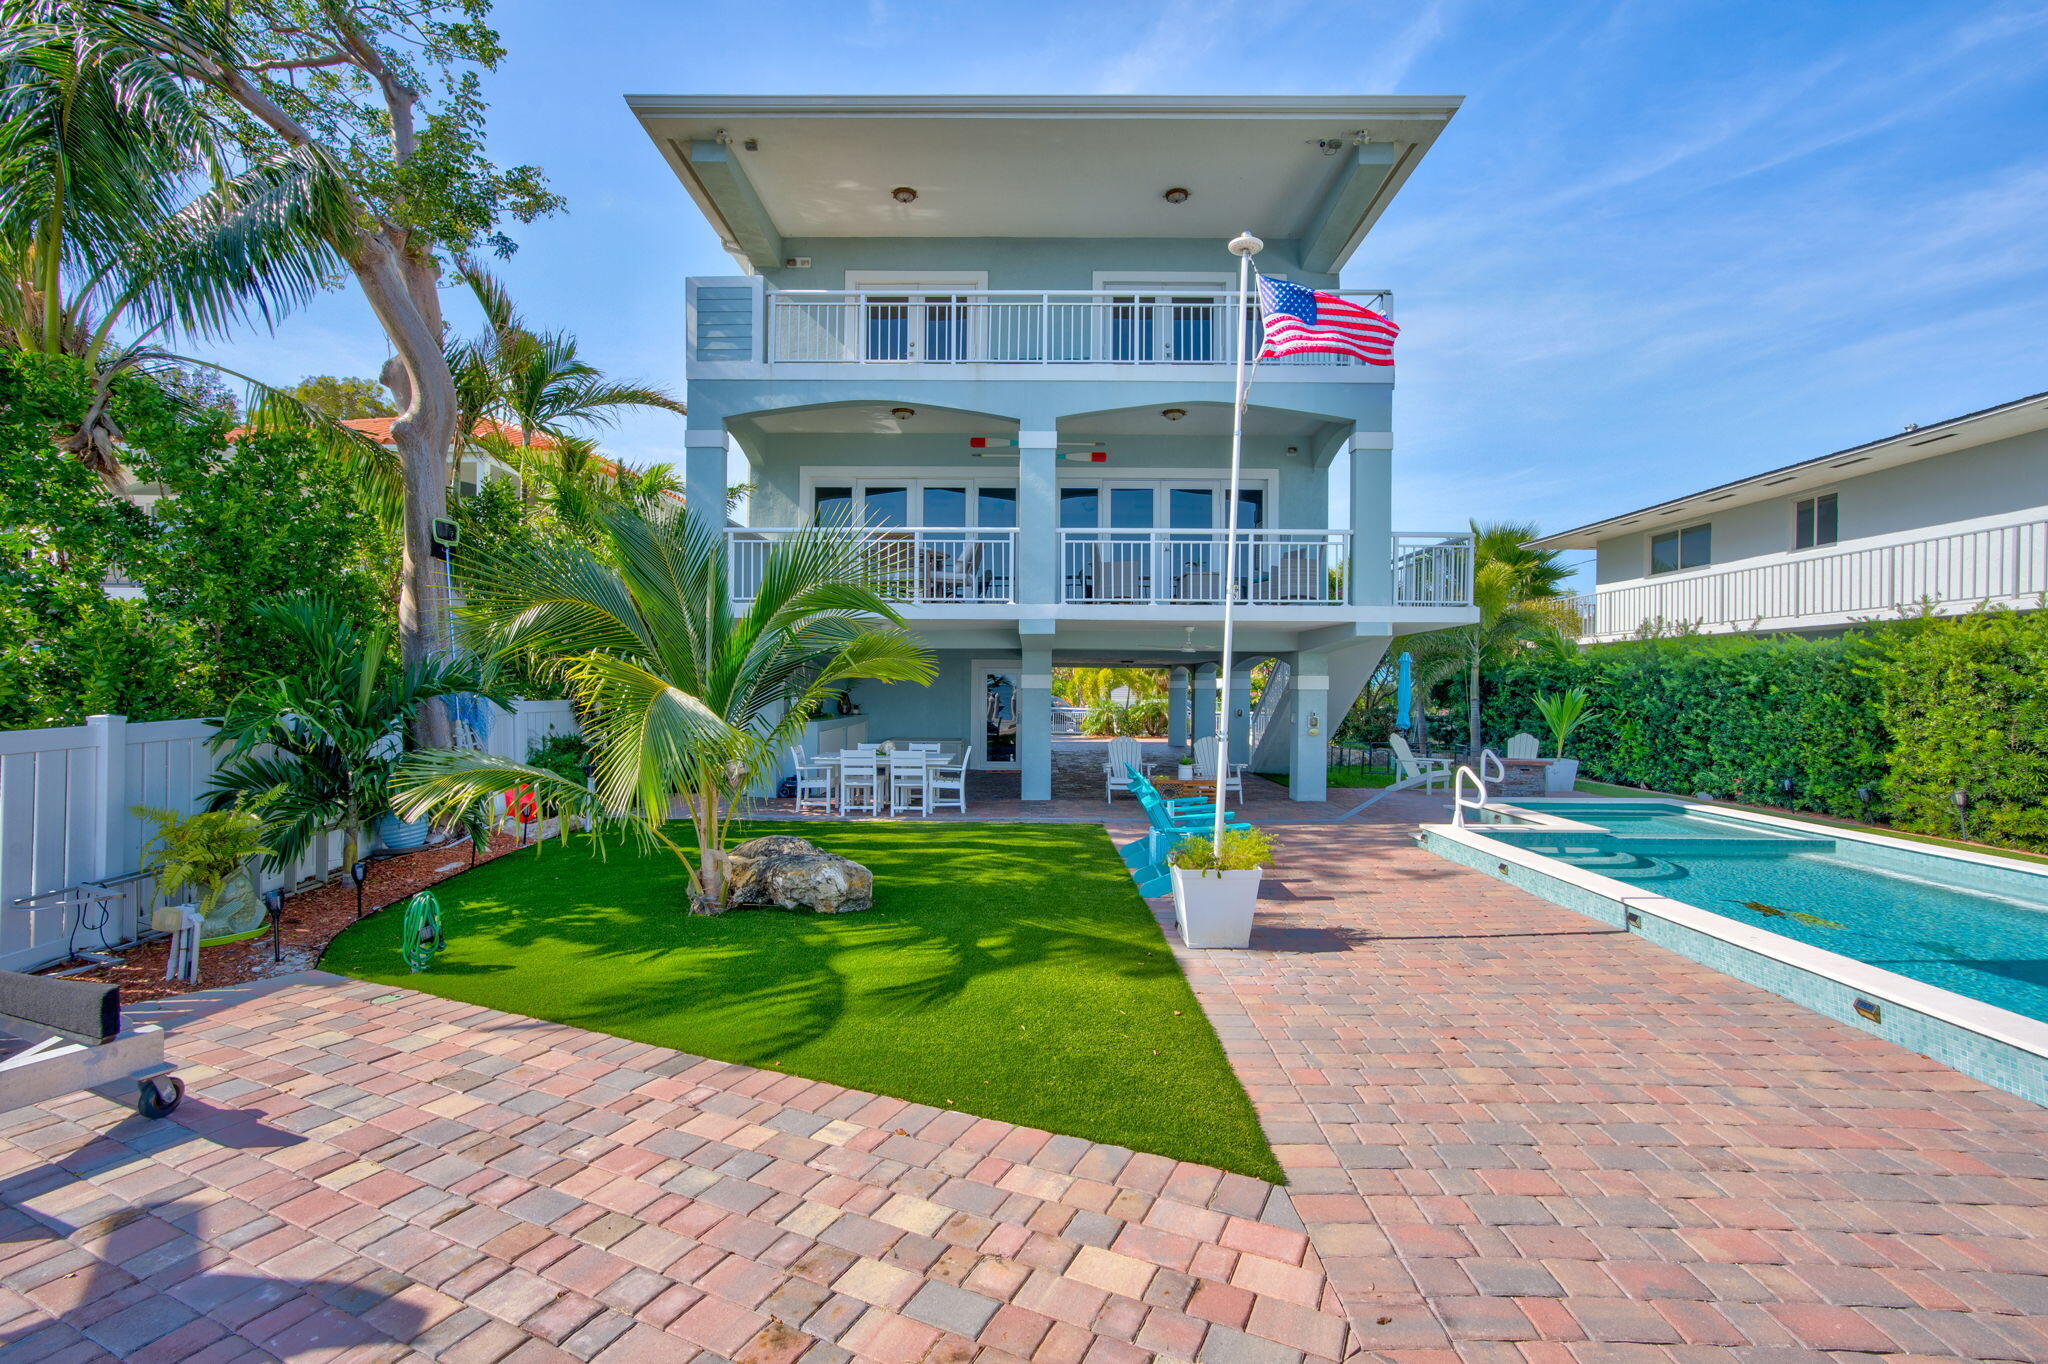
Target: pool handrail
<point>1459,801</point>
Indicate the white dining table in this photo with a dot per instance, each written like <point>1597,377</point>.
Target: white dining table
<point>948,756</point>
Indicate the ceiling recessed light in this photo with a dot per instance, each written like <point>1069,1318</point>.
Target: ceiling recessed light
<point>903,414</point>
<point>1176,195</point>
<point>903,194</point>
<point>1173,414</point>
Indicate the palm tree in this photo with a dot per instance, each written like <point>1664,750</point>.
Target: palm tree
<point>1532,573</point>
<point>120,213</point>
<point>332,731</point>
<point>683,691</point>
<point>1506,625</point>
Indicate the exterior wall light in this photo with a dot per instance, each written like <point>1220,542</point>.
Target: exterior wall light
<point>1173,414</point>
<point>1176,195</point>
<point>903,194</point>
<point>903,414</point>
<point>1315,724</point>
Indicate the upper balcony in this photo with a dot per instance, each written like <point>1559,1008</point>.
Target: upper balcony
<point>1830,590</point>
<point>742,329</point>
<point>1021,327</point>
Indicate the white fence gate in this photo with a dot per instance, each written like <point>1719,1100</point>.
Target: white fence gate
<point>65,796</point>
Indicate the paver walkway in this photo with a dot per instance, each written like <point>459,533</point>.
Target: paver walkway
<point>1518,1135</point>
<point>366,1174</point>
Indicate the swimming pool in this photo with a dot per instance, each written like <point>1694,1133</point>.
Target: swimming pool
<point>1946,952</point>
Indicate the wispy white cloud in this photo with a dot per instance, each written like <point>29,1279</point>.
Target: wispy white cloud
<point>1393,57</point>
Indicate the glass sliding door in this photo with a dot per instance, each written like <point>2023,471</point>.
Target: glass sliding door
<point>1192,566</point>
<point>993,711</point>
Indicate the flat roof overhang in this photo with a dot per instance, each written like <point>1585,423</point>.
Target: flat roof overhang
<point>1314,169</point>
<point>2015,418</point>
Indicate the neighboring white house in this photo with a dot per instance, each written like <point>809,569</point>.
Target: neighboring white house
<point>1950,515</point>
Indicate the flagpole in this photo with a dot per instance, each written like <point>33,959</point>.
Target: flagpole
<point>1244,246</point>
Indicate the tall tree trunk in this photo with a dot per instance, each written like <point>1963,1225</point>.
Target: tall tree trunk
<point>424,433</point>
<point>1472,710</point>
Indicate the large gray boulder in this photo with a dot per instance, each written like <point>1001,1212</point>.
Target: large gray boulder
<point>795,874</point>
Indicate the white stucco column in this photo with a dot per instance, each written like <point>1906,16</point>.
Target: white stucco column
<point>1308,758</point>
<point>1177,707</point>
<point>1034,723</point>
<point>1205,702</point>
<point>704,475</point>
<point>1038,517</point>
<point>1372,520</point>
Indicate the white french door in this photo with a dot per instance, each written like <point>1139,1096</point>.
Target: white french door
<point>994,699</point>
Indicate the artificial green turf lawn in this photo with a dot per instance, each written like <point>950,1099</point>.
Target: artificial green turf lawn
<point>1007,970</point>
<point>1352,776</point>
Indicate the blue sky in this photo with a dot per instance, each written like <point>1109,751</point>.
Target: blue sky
<point>1664,244</point>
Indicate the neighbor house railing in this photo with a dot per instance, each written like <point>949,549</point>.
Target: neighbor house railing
<point>1963,568</point>
<point>918,564</point>
<point>1160,566</point>
<point>1432,568</point>
<point>1019,327</point>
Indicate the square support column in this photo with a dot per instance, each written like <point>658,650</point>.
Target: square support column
<point>1241,716</point>
<point>1308,757</point>
<point>704,462</point>
<point>1177,707</point>
<point>1372,524</point>
<point>1034,723</point>
<point>1205,703</point>
<point>1038,518</point>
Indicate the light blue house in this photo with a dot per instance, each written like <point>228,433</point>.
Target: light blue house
<point>1005,326</point>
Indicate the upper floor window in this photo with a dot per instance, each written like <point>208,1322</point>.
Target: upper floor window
<point>916,502</point>
<point>1814,522</point>
<point>1692,547</point>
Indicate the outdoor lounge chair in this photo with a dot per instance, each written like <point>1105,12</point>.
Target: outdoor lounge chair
<point>1522,746</point>
<point>1123,752</point>
<point>1432,772</point>
<point>1205,766</point>
<point>60,1036</point>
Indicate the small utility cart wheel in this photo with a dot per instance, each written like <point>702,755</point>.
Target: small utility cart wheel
<point>157,1097</point>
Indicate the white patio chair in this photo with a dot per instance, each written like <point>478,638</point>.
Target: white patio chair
<point>1121,750</point>
<point>925,748</point>
<point>1522,746</point>
<point>860,784</point>
<point>954,577</point>
<point>1433,772</point>
<point>1205,766</point>
<point>813,783</point>
<point>909,783</point>
<point>946,784</point>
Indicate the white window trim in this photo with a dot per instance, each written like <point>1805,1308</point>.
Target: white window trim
<point>1266,481</point>
<point>1141,281</point>
<point>917,478</point>
<point>872,281</point>
<point>1793,517</point>
<point>1651,537</point>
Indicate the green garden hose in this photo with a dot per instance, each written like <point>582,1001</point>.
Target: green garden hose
<point>422,934</point>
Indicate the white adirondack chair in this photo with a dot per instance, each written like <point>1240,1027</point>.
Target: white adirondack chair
<point>1522,746</point>
<point>1121,750</point>
<point>1433,773</point>
<point>1205,766</point>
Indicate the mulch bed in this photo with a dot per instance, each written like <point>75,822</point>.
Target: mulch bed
<point>312,918</point>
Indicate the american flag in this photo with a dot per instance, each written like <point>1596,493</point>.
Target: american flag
<point>1301,321</point>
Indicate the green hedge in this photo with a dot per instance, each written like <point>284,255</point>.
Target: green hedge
<point>1902,714</point>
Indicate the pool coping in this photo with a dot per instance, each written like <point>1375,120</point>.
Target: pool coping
<point>1960,1012</point>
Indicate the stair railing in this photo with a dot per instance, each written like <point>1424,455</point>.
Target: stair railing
<point>1460,802</point>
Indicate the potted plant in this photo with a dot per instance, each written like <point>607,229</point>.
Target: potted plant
<point>208,855</point>
<point>1563,713</point>
<point>1216,889</point>
<point>1187,768</point>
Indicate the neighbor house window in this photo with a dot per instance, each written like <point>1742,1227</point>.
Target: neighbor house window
<point>1813,522</point>
<point>1692,547</point>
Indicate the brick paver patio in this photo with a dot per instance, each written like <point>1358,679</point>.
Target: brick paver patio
<point>1516,1134</point>
<point>1513,1135</point>
<point>369,1174</point>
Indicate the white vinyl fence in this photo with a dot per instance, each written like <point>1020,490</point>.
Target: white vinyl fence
<point>65,796</point>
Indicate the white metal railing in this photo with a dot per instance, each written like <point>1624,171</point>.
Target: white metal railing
<point>1163,566</point>
<point>920,564</point>
<point>1965,567</point>
<point>1432,568</point>
<point>1460,802</point>
<point>1021,327</point>
<point>1279,679</point>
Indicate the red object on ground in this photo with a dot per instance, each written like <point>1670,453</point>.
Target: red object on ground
<point>520,804</point>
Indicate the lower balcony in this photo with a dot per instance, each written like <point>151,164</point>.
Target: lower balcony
<point>1142,566</point>
<point>1830,590</point>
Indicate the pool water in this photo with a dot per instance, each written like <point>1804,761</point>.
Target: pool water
<point>1912,918</point>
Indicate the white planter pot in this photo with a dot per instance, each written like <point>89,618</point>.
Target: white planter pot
<point>1559,778</point>
<point>1187,771</point>
<point>1215,908</point>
